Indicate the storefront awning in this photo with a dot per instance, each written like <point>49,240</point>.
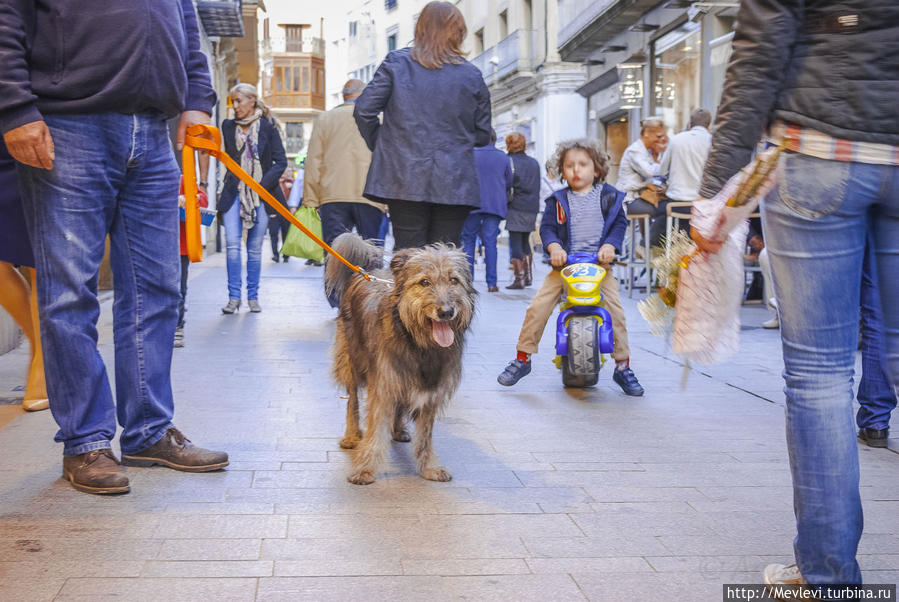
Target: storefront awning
<point>221,17</point>
<point>590,32</point>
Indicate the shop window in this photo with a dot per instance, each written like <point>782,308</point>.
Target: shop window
<point>293,142</point>
<point>676,75</point>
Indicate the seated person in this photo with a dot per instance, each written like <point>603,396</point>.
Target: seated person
<point>587,216</point>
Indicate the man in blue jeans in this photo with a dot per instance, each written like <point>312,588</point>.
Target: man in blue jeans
<point>825,81</point>
<point>876,397</point>
<point>495,178</point>
<point>87,124</point>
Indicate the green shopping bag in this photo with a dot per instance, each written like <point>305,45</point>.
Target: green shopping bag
<point>298,244</point>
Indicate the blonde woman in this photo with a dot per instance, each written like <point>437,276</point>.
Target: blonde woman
<point>251,139</point>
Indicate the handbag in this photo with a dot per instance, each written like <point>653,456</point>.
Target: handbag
<point>297,244</point>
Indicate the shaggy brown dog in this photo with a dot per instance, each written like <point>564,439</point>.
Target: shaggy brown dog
<point>402,341</point>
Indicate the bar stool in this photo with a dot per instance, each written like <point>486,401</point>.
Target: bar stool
<point>630,259</point>
<point>675,210</point>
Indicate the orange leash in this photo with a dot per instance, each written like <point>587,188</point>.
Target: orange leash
<point>209,138</point>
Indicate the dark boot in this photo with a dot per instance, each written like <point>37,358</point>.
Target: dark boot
<point>529,269</point>
<point>176,451</point>
<point>96,471</point>
<point>518,267</point>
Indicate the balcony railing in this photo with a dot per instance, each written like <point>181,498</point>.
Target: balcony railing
<point>515,54</point>
<point>221,17</point>
<point>314,46</point>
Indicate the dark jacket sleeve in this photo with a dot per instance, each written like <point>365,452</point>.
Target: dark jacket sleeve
<point>618,229</point>
<point>763,43</point>
<point>549,225</point>
<point>17,102</point>
<point>483,115</point>
<point>272,176</point>
<point>371,103</point>
<point>200,93</point>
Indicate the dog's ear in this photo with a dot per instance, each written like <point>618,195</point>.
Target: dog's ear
<point>399,260</point>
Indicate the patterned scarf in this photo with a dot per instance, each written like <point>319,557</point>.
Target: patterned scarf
<point>247,143</point>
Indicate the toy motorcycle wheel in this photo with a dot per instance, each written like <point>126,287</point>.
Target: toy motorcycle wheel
<point>580,368</point>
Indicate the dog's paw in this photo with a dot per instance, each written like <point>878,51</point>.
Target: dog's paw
<point>363,477</point>
<point>349,442</point>
<point>402,436</point>
<point>437,474</point>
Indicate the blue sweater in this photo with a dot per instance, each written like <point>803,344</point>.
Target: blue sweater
<point>123,56</point>
<point>556,227</point>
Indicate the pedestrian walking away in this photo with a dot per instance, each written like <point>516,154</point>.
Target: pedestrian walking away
<point>335,170</point>
<point>253,141</point>
<point>88,128</point>
<point>494,172</point>
<point>524,204</point>
<point>838,188</point>
<point>586,217</point>
<point>436,109</point>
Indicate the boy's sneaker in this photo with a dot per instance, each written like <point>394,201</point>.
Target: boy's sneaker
<point>514,372</point>
<point>628,382</point>
<point>179,336</point>
<point>784,582</point>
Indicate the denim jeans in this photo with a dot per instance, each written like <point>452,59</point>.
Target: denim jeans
<point>876,397</point>
<point>340,217</point>
<point>233,237</point>
<point>114,174</point>
<point>816,224</point>
<point>486,226</point>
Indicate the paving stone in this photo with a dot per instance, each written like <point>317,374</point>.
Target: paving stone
<point>553,495</point>
<point>210,549</point>
<point>150,589</point>
<point>207,568</point>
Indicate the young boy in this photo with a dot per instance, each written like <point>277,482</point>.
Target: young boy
<point>587,216</point>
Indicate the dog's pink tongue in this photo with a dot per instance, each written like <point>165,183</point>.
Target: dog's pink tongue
<point>442,333</point>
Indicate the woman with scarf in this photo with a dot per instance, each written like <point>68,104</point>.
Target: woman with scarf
<point>253,141</point>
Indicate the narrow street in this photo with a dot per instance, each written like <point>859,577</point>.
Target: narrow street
<point>556,494</point>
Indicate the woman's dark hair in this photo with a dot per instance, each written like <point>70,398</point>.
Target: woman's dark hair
<point>516,143</point>
<point>439,33</point>
<point>591,147</point>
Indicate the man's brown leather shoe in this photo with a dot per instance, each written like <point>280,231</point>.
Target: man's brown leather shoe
<point>176,451</point>
<point>96,471</point>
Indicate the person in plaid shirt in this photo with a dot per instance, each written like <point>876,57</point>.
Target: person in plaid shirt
<point>824,79</point>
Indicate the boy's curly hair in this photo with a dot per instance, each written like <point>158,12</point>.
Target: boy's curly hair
<point>592,148</point>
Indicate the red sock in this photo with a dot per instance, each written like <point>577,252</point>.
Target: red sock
<point>525,357</point>
<point>622,364</point>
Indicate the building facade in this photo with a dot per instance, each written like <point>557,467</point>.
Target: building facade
<point>533,90</point>
<point>646,57</point>
<point>293,79</point>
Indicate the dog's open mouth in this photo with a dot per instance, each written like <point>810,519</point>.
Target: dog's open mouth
<point>442,333</point>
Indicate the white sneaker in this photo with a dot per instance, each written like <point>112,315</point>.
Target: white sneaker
<point>786,576</point>
<point>772,323</point>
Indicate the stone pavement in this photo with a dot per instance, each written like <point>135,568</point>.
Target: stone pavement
<point>556,495</point>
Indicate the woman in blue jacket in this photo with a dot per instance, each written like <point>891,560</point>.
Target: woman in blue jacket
<point>252,140</point>
<point>436,110</point>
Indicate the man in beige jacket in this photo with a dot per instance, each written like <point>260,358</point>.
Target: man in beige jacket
<point>336,167</point>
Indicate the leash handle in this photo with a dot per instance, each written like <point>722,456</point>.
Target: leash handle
<point>209,138</point>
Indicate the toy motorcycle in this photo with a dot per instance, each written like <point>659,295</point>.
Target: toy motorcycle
<point>584,326</point>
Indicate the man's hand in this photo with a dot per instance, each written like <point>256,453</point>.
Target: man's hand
<point>557,255</point>
<point>31,144</point>
<point>606,254</point>
<point>189,118</point>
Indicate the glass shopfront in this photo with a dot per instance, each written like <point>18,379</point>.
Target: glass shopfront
<point>676,75</point>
